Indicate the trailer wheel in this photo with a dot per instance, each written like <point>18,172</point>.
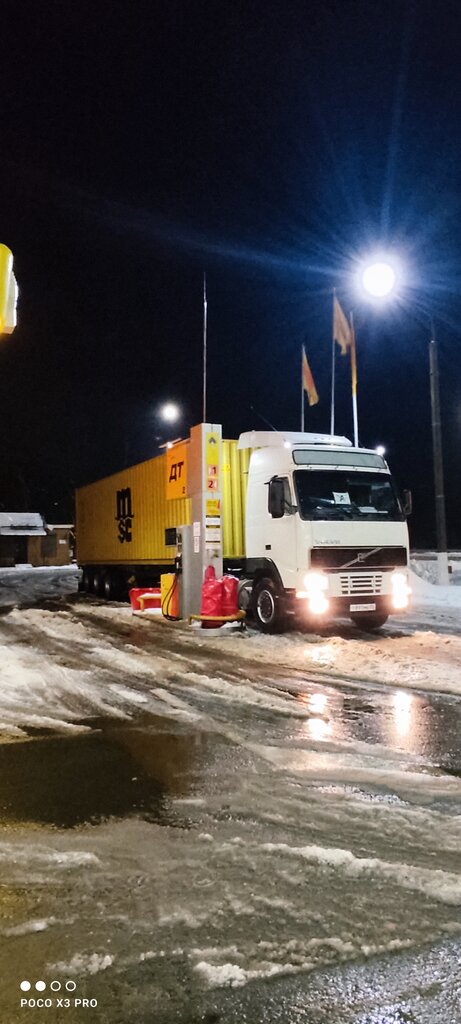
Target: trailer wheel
<point>370,622</point>
<point>86,582</point>
<point>109,587</point>
<point>267,608</point>
<point>98,583</point>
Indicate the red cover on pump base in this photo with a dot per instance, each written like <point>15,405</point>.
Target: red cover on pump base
<point>212,591</point>
<point>229,595</point>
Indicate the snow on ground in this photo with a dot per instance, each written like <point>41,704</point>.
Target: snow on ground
<point>79,655</point>
<point>284,834</point>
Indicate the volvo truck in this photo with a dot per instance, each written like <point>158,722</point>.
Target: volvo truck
<point>311,525</point>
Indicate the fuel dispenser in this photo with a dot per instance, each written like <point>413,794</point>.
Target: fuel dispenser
<point>181,590</point>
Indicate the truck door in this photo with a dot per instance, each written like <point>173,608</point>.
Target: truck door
<point>280,533</point>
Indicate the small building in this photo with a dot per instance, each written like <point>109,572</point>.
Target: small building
<point>25,539</point>
<point>57,547</point>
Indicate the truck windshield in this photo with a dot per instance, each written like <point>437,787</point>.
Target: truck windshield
<point>324,494</point>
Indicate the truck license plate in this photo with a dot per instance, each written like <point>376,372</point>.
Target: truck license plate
<point>362,608</point>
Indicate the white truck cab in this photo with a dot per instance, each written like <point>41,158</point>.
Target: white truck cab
<point>326,531</point>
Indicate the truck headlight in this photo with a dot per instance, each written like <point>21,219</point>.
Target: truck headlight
<point>401,590</point>
<point>316,584</point>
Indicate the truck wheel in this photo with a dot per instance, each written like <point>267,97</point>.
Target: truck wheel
<point>267,607</point>
<point>86,582</point>
<point>370,622</point>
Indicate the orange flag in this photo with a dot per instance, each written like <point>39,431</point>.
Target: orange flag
<point>344,334</point>
<point>308,381</point>
<point>342,330</point>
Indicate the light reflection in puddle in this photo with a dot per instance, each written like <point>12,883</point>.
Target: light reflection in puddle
<point>318,703</point>
<point>398,719</point>
<point>402,705</point>
<point>319,729</point>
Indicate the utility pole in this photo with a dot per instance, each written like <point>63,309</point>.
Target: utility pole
<point>440,517</point>
<point>205,324</point>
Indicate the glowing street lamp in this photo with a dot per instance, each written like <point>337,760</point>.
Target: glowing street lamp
<point>378,279</point>
<point>170,412</point>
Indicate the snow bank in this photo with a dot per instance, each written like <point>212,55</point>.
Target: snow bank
<point>442,886</point>
<point>83,963</point>
<point>427,592</point>
<point>28,585</point>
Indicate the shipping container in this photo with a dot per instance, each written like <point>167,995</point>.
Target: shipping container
<point>127,520</point>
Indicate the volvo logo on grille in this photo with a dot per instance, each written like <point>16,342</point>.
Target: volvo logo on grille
<point>361,557</point>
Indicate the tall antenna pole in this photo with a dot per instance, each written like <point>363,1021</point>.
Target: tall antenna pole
<point>302,392</point>
<point>333,353</point>
<point>205,317</point>
<point>354,382</point>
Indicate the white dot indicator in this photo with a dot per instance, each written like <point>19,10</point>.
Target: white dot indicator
<point>40,986</point>
<point>25,986</point>
<point>55,986</point>
<point>71,986</point>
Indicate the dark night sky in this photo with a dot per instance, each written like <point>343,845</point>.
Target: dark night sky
<point>270,143</point>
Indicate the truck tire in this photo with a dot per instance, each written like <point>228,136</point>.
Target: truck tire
<point>370,621</point>
<point>267,609</point>
<point>110,587</point>
<point>98,583</point>
<point>86,582</point>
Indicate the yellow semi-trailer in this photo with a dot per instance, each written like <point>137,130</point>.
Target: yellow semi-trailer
<point>126,523</point>
<point>310,524</point>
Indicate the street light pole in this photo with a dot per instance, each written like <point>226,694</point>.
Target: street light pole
<point>440,516</point>
<point>378,280</point>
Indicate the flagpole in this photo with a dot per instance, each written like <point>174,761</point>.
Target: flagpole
<point>354,383</point>
<point>332,418</point>
<point>205,318</point>
<point>302,393</point>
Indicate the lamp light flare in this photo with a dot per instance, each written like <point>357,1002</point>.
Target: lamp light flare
<point>378,279</point>
<point>170,412</point>
<point>380,450</point>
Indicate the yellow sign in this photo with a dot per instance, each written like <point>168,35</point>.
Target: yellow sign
<point>213,507</point>
<point>7,291</point>
<point>212,454</point>
<point>176,471</point>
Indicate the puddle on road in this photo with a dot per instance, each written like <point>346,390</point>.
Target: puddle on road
<point>427,727</point>
<point>116,771</point>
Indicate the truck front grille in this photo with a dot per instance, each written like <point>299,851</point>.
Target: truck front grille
<point>361,583</point>
<point>337,559</point>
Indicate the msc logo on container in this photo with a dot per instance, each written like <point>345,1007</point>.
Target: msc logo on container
<point>125,515</point>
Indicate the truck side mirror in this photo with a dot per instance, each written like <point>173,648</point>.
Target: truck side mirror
<point>407,504</point>
<point>276,497</point>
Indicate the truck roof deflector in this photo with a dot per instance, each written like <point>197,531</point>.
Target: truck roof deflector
<point>277,439</point>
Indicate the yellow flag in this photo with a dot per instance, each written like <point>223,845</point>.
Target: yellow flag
<point>308,381</point>
<point>342,330</point>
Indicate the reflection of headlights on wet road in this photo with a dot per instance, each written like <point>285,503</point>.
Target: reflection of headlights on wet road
<point>318,728</point>
<point>402,712</point>
<point>315,583</point>
<point>400,590</point>
<point>317,703</point>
